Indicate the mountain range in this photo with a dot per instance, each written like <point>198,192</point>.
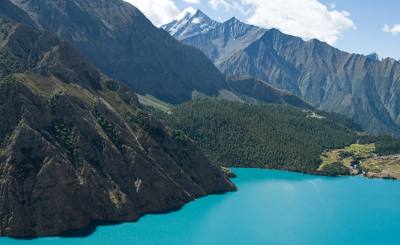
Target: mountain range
<point>116,37</point>
<point>77,147</point>
<point>363,88</point>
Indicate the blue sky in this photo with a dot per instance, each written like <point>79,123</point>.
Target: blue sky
<point>355,26</point>
<point>370,16</point>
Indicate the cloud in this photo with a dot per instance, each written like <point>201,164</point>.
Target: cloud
<point>394,30</point>
<point>158,11</point>
<point>305,18</point>
<point>192,1</point>
<point>216,4</point>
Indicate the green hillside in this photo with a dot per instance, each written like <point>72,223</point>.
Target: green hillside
<point>265,136</point>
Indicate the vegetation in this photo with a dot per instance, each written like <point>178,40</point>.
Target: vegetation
<point>142,119</point>
<point>335,169</point>
<point>152,102</point>
<point>266,136</point>
<point>382,167</point>
<point>9,80</point>
<point>385,145</point>
<point>52,99</point>
<point>109,129</point>
<point>8,63</point>
<point>349,158</point>
<point>360,158</point>
<point>65,137</point>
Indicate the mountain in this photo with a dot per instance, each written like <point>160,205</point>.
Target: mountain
<point>122,42</point>
<point>359,87</point>
<point>189,23</point>
<point>76,147</point>
<point>225,39</point>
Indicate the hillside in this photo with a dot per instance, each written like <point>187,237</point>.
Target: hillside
<point>117,38</point>
<point>266,136</point>
<point>281,137</point>
<point>76,146</point>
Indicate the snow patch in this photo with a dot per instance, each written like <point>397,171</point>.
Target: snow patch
<point>197,20</point>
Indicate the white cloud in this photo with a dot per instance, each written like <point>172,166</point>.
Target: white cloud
<point>215,4</point>
<point>394,30</point>
<point>229,6</point>
<point>158,11</point>
<point>192,1</point>
<point>305,18</point>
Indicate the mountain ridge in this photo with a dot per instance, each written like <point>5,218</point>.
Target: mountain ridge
<point>122,42</point>
<point>357,86</point>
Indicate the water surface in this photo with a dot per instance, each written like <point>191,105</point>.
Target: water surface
<point>271,207</point>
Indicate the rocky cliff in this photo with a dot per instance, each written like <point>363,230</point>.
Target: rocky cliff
<point>76,147</point>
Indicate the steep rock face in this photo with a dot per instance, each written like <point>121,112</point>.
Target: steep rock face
<point>353,85</point>
<point>75,146</point>
<point>118,39</point>
<point>360,87</point>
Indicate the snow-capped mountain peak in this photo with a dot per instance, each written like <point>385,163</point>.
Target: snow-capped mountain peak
<point>186,14</point>
<point>189,23</point>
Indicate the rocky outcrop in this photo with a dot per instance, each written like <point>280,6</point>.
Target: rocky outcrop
<point>76,147</point>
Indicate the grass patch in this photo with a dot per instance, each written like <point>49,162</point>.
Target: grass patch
<point>151,101</point>
<point>360,158</point>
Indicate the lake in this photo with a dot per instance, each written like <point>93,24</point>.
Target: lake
<point>270,207</point>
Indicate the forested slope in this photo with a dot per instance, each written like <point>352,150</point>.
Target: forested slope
<point>267,136</point>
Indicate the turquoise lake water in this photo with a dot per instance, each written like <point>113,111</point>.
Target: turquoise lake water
<point>271,207</point>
